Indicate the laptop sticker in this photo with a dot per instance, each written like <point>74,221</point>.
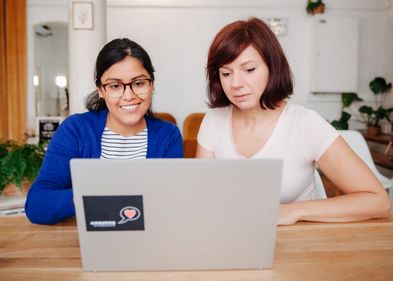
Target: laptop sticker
<point>129,213</point>
<point>111,213</point>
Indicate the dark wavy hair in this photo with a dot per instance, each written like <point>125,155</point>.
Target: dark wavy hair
<point>113,52</point>
<point>230,42</point>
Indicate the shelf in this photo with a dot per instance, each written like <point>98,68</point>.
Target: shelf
<point>383,138</point>
<point>384,160</point>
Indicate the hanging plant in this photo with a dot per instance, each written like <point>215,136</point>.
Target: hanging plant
<point>315,7</point>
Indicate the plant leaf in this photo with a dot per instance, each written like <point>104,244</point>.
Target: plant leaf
<point>379,86</point>
<point>366,110</point>
<point>348,98</point>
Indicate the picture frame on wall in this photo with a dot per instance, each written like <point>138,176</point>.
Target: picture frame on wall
<point>82,15</point>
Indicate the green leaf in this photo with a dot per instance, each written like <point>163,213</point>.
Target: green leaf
<point>342,123</point>
<point>366,110</point>
<point>339,125</point>
<point>345,116</point>
<point>348,98</point>
<point>19,162</point>
<point>379,86</point>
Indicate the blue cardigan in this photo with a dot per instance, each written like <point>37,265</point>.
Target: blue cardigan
<point>50,198</point>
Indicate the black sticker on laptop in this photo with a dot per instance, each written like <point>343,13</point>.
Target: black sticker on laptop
<point>109,213</point>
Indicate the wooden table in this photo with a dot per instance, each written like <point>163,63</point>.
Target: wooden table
<point>305,251</point>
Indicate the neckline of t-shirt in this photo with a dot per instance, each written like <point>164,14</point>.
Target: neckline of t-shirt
<point>263,148</point>
<point>141,133</point>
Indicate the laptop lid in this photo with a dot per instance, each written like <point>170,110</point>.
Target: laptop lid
<point>176,214</point>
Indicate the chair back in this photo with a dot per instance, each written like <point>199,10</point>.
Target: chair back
<point>190,133</point>
<point>191,125</point>
<point>165,116</point>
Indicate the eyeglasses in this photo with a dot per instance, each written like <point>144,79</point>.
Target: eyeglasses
<point>139,87</point>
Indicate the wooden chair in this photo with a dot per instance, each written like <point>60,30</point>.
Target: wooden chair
<point>165,116</point>
<point>189,148</point>
<point>190,133</point>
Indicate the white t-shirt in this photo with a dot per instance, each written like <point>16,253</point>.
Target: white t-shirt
<point>300,137</point>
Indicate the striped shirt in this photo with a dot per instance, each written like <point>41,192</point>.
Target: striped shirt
<point>115,146</point>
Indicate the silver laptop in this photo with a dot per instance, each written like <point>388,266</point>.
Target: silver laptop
<point>176,214</point>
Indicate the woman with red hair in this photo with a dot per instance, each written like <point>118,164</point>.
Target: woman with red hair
<point>249,82</point>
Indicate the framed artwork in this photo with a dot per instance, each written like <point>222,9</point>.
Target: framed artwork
<point>82,15</point>
<point>279,26</point>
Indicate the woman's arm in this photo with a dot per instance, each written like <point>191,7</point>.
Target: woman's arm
<point>174,148</point>
<point>50,198</point>
<point>363,196</point>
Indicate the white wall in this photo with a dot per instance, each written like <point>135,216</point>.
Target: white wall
<point>389,43</point>
<point>177,35</point>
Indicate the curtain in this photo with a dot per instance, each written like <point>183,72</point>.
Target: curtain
<point>13,69</point>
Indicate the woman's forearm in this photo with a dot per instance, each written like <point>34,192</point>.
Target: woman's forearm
<point>344,208</point>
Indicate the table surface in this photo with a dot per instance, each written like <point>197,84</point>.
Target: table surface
<point>304,251</point>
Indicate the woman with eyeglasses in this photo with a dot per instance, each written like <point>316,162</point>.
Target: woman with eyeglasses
<point>118,125</point>
<point>249,82</point>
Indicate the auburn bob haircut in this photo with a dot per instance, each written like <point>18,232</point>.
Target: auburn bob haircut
<point>230,42</point>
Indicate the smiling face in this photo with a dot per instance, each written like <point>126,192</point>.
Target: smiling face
<point>126,113</point>
<point>244,79</point>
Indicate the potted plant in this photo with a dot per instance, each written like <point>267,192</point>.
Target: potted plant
<point>372,116</point>
<point>315,7</point>
<point>346,100</point>
<point>19,163</point>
